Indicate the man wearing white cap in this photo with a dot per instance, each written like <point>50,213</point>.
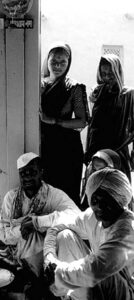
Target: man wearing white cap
<point>28,211</point>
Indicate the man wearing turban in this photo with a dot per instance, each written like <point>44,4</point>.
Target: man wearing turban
<point>101,270</point>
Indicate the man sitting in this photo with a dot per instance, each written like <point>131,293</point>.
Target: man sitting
<point>103,270</point>
<point>27,212</point>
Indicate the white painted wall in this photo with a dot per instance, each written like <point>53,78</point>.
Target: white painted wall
<point>87,25</point>
<point>19,96</point>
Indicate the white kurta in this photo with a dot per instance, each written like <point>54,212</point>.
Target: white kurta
<point>53,206</point>
<point>112,249</point>
<point>55,202</point>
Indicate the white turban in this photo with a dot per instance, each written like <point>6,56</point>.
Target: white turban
<point>114,182</point>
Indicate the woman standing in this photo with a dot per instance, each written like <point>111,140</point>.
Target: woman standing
<point>64,113</point>
<point>113,111</point>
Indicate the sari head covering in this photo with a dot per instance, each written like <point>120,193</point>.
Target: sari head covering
<point>110,157</point>
<point>60,46</point>
<point>116,67</point>
<point>114,182</point>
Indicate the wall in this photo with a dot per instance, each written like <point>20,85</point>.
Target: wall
<point>19,96</point>
<point>87,25</point>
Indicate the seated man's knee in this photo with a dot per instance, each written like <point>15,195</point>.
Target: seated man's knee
<point>65,235</point>
<point>66,245</point>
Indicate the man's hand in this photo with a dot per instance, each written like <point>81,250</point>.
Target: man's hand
<point>26,227</point>
<point>50,264</point>
<point>49,273</point>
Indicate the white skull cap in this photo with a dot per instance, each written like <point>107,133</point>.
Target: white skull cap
<point>25,158</point>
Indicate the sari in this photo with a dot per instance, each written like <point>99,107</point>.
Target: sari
<point>61,148</point>
<point>112,115</point>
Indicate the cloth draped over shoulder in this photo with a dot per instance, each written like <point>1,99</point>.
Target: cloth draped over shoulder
<point>64,91</point>
<point>61,148</point>
<point>16,206</point>
<point>112,115</point>
<point>47,208</point>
